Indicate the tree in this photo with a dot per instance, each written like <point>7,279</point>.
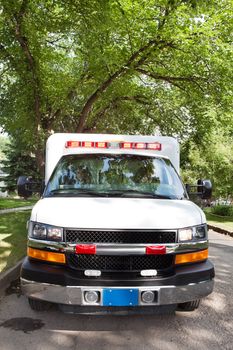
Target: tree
<point>17,162</point>
<point>113,66</point>
<point>212,160</point>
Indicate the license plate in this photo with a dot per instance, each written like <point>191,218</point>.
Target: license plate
<point>120,297</point>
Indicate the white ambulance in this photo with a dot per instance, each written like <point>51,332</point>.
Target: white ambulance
<point>115,230</point>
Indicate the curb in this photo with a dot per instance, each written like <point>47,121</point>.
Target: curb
<point>10,275</point>
<point>220,230</point>
<point>13,210</point>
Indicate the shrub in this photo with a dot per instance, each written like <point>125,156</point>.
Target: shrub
<point>223,210</point>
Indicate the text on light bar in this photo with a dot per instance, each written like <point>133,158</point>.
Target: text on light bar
<point>156,146</point>
<point>152,146</point>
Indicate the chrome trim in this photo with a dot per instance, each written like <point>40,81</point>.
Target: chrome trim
<point>73,295</point>
<point>119,249</point>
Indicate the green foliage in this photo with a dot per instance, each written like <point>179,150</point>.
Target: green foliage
<point>9,203</point>
<point>223,210</point>
<point>3,143</point>
<point>223,222</point>
<point>13,238</point>
<point>173,54</point>
<point>133,66</point>
<point>212,159</point>
<point>18,162</point>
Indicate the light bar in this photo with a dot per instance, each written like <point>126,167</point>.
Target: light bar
<point>88,144</point>
<point>140,145</point>
<point>156,146</point>
<point>191,257</point>
<point>46,256</point>
<point>153,146</point>
<point>85,249</point>
<point>126,145</point>
<point>72,144</point>
<point>156,250</point>
<point>101,145</point>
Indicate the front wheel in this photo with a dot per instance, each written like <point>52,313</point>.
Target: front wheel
<point>188,306</point>
<point>39,305</point>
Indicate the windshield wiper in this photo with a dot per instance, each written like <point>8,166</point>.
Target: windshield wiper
<point>125,193</point>
<point>113,193</point>
<point>76,192</point>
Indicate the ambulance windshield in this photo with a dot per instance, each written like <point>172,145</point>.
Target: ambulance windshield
<point>115,175</point>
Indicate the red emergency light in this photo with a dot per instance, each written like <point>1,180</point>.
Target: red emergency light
<point>156,250</point>
<point>155,146</point>
<point>72,144</point>
<point>87,144</point>
<point>126,145</point>
<point>140,145</point>
<point>85,249</point>
<point>101,145</point>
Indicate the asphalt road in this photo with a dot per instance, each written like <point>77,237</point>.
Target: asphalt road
<point>209,327</point>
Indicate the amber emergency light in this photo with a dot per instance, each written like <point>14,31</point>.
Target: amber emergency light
<point>46,256</point>
<point>191,257</point>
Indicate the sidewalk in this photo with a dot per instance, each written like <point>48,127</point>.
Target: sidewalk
<point>12,210</point>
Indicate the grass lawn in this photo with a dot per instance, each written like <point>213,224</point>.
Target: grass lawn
<point>225,222</point>
<point>8,203</point>
<point>13,238</point>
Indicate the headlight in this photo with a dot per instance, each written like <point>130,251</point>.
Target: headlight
<point>193,233</point>
<point>54,233</point>
<point>45,232</point>
<point>39,231</point>
<point>185,234</point>
<point>200,232</point>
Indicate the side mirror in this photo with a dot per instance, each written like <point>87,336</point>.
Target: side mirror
<point>206,188</point>
<point>26,186</point>
<point>203,189</point>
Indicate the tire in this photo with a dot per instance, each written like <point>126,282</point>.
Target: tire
<point>39,305</point>
<point>188,306</point>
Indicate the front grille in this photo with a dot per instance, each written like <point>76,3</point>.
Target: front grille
<point>119,263</point>
<point>120,237</point>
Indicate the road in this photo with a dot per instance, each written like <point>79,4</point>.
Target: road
<point>209,327</point>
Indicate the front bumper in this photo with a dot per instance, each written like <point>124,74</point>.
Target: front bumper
<point>59,285</point>
<point>73,295</point>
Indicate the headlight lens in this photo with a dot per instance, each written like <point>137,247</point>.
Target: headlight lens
<point>185,234</point>
<point>54,233</point>
<point>45,232</point>
<point>200,232</point>
<point>193,233</point>
<point>39,231</point>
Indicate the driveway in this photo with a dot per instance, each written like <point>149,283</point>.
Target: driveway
<point>209,327</point>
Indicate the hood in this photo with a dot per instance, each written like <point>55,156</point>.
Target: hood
<point>117,213</point>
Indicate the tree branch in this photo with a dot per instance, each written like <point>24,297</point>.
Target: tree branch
<point>112,104</point>
<point>30,61</point>
<point>170,79</point>
<point>131,63</point>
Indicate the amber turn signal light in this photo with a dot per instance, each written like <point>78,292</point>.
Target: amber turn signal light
<point>191,257</point>
<point>46,256</point>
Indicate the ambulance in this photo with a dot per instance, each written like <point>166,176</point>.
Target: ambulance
<point>114,229</point>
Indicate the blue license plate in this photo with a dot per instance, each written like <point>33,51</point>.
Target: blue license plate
<point>120,297</point>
